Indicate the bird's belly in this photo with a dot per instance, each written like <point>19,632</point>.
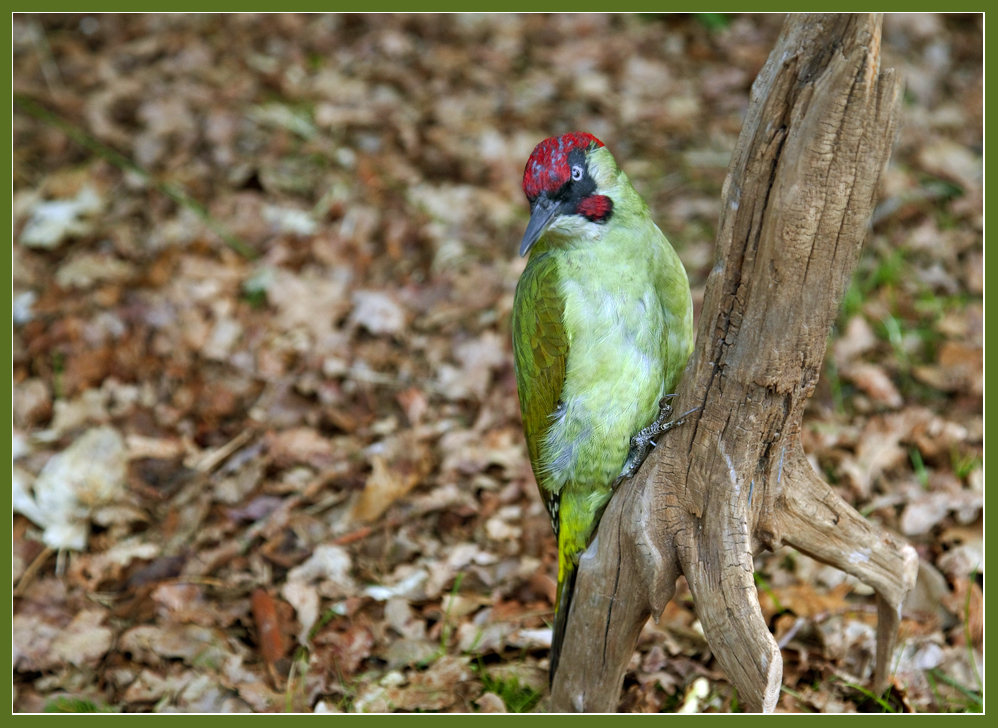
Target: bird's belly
<point>613,381</point>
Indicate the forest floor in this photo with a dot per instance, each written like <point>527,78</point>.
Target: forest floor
<point>267,451</point>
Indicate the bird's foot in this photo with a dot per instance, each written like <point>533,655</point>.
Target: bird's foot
<point>644,441</point>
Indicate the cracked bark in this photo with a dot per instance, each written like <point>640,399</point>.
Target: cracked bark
<point>795,209</point>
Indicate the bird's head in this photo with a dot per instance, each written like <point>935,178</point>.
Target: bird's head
<point>566,181</point>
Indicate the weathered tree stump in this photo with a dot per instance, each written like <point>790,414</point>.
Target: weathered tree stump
<point>796,205</point>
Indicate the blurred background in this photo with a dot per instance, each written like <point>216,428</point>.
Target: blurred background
<point>266,442</point>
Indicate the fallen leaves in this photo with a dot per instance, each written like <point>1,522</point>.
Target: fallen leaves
<point>299,445</point>
<point>63,498</point>
<point>875,383</point>
<point>927,510</point>
<point>438,688</point>
<point>879,448</point>
<point>945,158</point>
<point>52,222</point>
<point>378,312</point>
<point>322,445</point>
<point>960,368</point>
<point>84,640</point>
<point>93,570</point>
<point>478,359</point>
<point>326,570</point>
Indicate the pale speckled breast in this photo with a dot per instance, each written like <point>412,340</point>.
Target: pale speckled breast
<point>615,372</point>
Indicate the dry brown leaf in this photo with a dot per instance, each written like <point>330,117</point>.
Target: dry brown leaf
<point>968,607</point>
<point>378,312</point>
<point>150,644</point>
<point>32,635</point>
<point>309,301</point>
<point>299,445</point>
<point>467,451</point>
<point>406,652</point>
<point>965,363</point>
<point>32,402</point>
<point>804,601</point>
<point>875,382</point>
<point>91,570</point>
<point>345,645</point>
<point>383,487</point>
<point>490,703</point>
<point>85,640</point>
<point>89,269</point>
<point>270,636</point>
<point>938,437</point>
<point>150,686</point>
<point>962,560</point>
<point>879,447</point>
<point>857,339</point>
<point>411,461</point>
<point>478,359</point>
<point>927,510</point>
<point>433,690</point>
<point>415,404</point>
<point>952,161</point>
<point>960,367</point>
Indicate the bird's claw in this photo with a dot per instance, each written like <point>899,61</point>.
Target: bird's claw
<point>643,441</point>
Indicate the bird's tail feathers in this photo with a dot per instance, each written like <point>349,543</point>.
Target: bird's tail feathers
<point>563,602</point>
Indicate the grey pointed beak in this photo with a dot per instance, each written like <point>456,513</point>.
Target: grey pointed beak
<point>543,214</point>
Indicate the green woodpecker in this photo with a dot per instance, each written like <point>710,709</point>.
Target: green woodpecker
<point>602,328</point>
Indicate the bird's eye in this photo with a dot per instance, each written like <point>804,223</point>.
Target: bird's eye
<point>576,173</point>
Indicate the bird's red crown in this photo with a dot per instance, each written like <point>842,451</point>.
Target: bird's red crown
<point>548,168</point>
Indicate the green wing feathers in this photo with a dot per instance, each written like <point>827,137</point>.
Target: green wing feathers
<point>540,349</point>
